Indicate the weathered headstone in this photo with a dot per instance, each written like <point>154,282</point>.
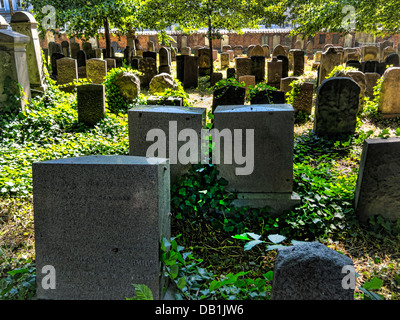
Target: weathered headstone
<point>128,84</point>
<point>81,58</point>
<point>186,51</point>
<point>377,191</point>
<point>224,60</point>
<point>329,60</point>
<point>65,48</point>
<point>24,23</point>
<point>268,97</point>
<point>243,66</point>
<point>304,98</point>
<point>230,73</point>
<point>392,59</point>
<point>370,53</point>
<point>215,77</point>
<point>150,46</point>
<point>164,56</point>
<point>225,48</point>
<point>371,79</point>
<point>257,51</point>
<point>91,103</point>
<point>285,83</point>
<point>231,95</point>
<point>110,63</point>
<point>170,121</point>
<point>261,181</point>
<point>14,67</point>
<point>274,72</point>
<point>75,47</point>
<point>160,82</point>
<point>204,61</point>
<point>285,65</point>
<point>248,81</point>
<point>54,57</point>
<point>279,50</point>
<point>148,67</point>
<point>258,67</point>
<point>54,47</point>
<point>336,106</point>
<point>249,49</point>
<point>187,70</point>
<point>389,105</point>
<point>267,52</point>
<point>298,62</point>
<point>238,50</point>
<point>92,230</point>
<point>310,50</point>
<point>67,71</point>
<point>96,70</point>
<point>311,271</point>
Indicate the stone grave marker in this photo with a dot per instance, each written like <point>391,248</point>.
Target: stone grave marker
<point>204,61</point>
<point>91,103</point>
<point>65,48</point>
<point>187,70</point>
<point>230,73</point>
<point>215,77</point>
<point>75,47</point>
<point>96,70</point>
<point>164,56</point>
<point>262,180</point>
<point>377,189</point>
<point>304,98</point>
<point>92,230</point>
<point>392,60</point>
<point>267,52</point>
<point>110,63</point>
<point>298,62</point>
<point>67,72</point>
<point>258,67</point>
<point>231,95</point>
<point>148,67</point>
<point>224,60</point>
<point>336,106</point>
<point>257,50</point>
<point>329,60</point>
<point>243,66</point>
<point>54,57</point>
<point>274,72</point>
<point>279,50</point>
<point>371,79</point>
<point>310,271</point>
<point>268,97</point>
<point>370,53</point>
<point>238,50</point>
<point>170,121</point>
<point>285,83</point>
<point>285,65</point>
<point>389,105</point>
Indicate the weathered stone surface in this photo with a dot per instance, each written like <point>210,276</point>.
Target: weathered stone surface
<point>267,52</point>
<point>238,50</point>
<point>187,70</point>
<point>304,98</point>
<point>230,73</point>
<point>164,56</point>
<point>75,47</point>
<point>215,77</point>
<point>371,79</point>
<point>285,65</point>
<point>228,96</point>
<point>310,271</point>
<point>279,50</point>
<point>336,106</point>
<point>110,63</point>
<point>285,83</point>
<point>298,62</point>
<point>91,103</point>
<point>370,53</point>
<point>392,59</point>
<point>257,50</point>
<point>258,67</point>
<point>96,70</point>
<point>148,67</point>
<point>389,100</point>
<point>186,51</point>
<point>161,82</point>
<point>91,216</point>
<point>329,60</point>
<point>128,84</point>
<point>268,97</point>
<point>377,190</point>
<point>204,61</point>
<point>243,66</point>
<point>67,70</point>
<point>224,60</point>
<point>274,72</point>
<point>171,121</point>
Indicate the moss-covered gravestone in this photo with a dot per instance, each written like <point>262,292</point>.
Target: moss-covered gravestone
<point>91,103</point>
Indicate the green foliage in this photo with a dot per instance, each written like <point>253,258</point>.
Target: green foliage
<point>115,101</point>
<point>15,94</point>
<point>142,291</point>
<point>294,91</point>
<point>341,69</point>
<point>178,92</point>
<point>260,87</point>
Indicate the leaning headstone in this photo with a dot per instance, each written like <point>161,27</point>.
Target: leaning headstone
<point>14,67</point>
<point>187,70</point>
<point>336,106</point>
<point>258,67</point>
<point>160,82</point>
<point>91,103</point>
<point>389,105</point>
<point>261,181</point>
<point>92,230</point>
<point>377,190</point>
<point>24,23</point>
<point>311,271</point>
<point>169,121</point>
<point>96,70</point>
<point>274,72</point>
<point>128,85</point>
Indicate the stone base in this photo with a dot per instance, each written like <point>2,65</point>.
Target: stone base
<point>277,202</point>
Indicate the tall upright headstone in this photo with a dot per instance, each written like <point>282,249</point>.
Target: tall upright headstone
<point>14,66</point>
<point>336,106</point>
<point>24,23</point>
<point>91,231</point>
<point>67,71</point>
<point>274,72</point>
<point>96,70</point>
<point>329,60</point>
<point>204,61</point>
<point>258,67</point>
<point>187,70</point>
<point>243,66</point>
<point>91,103</point>
<point>389,105</point>
<point>298,62</point>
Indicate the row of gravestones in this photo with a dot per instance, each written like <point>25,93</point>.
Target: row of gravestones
<point>132,193</point>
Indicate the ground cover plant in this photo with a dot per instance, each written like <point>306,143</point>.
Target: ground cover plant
<point>217,251</point>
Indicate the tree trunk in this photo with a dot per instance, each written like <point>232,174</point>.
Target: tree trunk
<point>211,46</point>
<point>107,37</point>
<point>10,4</point>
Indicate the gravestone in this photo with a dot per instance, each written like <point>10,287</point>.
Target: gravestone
<point>65,48</point>
<point>310,271</point>
<point>67,72</point>
<point>75,47</point>
<point>237,50</point>
<point>164,101</point>
<point>329,60</point>
<point>249,49</point>
<point>54,57</point>
<point>371,79</point>
<point>204,61</point>
<point>258,67</point>
<point>164,60</point>
<point>230,73</point>
<point>148,67</point>
<point>224,60</point>
<point>128,55</point>
<point>304,98</point>
<point>392,60</point>
<point>267,135</point>
<point>370,53</point>
<point>274,72</point>
<point>370,66</point>
<point>387,51</point>
<point>285,83</point>
<point>110,63</point>
<point>187,70</point>
<point>298,62</point>
<point>215,77</point>
<point>186,51</point>
<point>243,66</point>
<point>14,67</point>
<point>355,64</point>
<point>285,65</point>
<point>268,97</point>
<point>3,23</point>
<point>225,48</point>
<point>170,121</point>
<point>150,46</point>
<point>150,54</point>
<point>81,58</point>
<point>230,95</point>
<point>248,81</point>
<point>389,105</point>
<point>54,47</point>
<point>91,103</point>
<point>128,85</point>
<point>24,23</point>
<point>310,50</point>
<point>257,51</point>
<point>267,52</point>
<point>160,82</point>
<point>279,50</point>
<point>96,70</point>
<point>336,106</point>
<point>377,190</point>
<point>92,230</point>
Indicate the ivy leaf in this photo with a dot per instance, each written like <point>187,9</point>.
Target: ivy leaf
<point>276,238</point>
<point>251,244</point>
